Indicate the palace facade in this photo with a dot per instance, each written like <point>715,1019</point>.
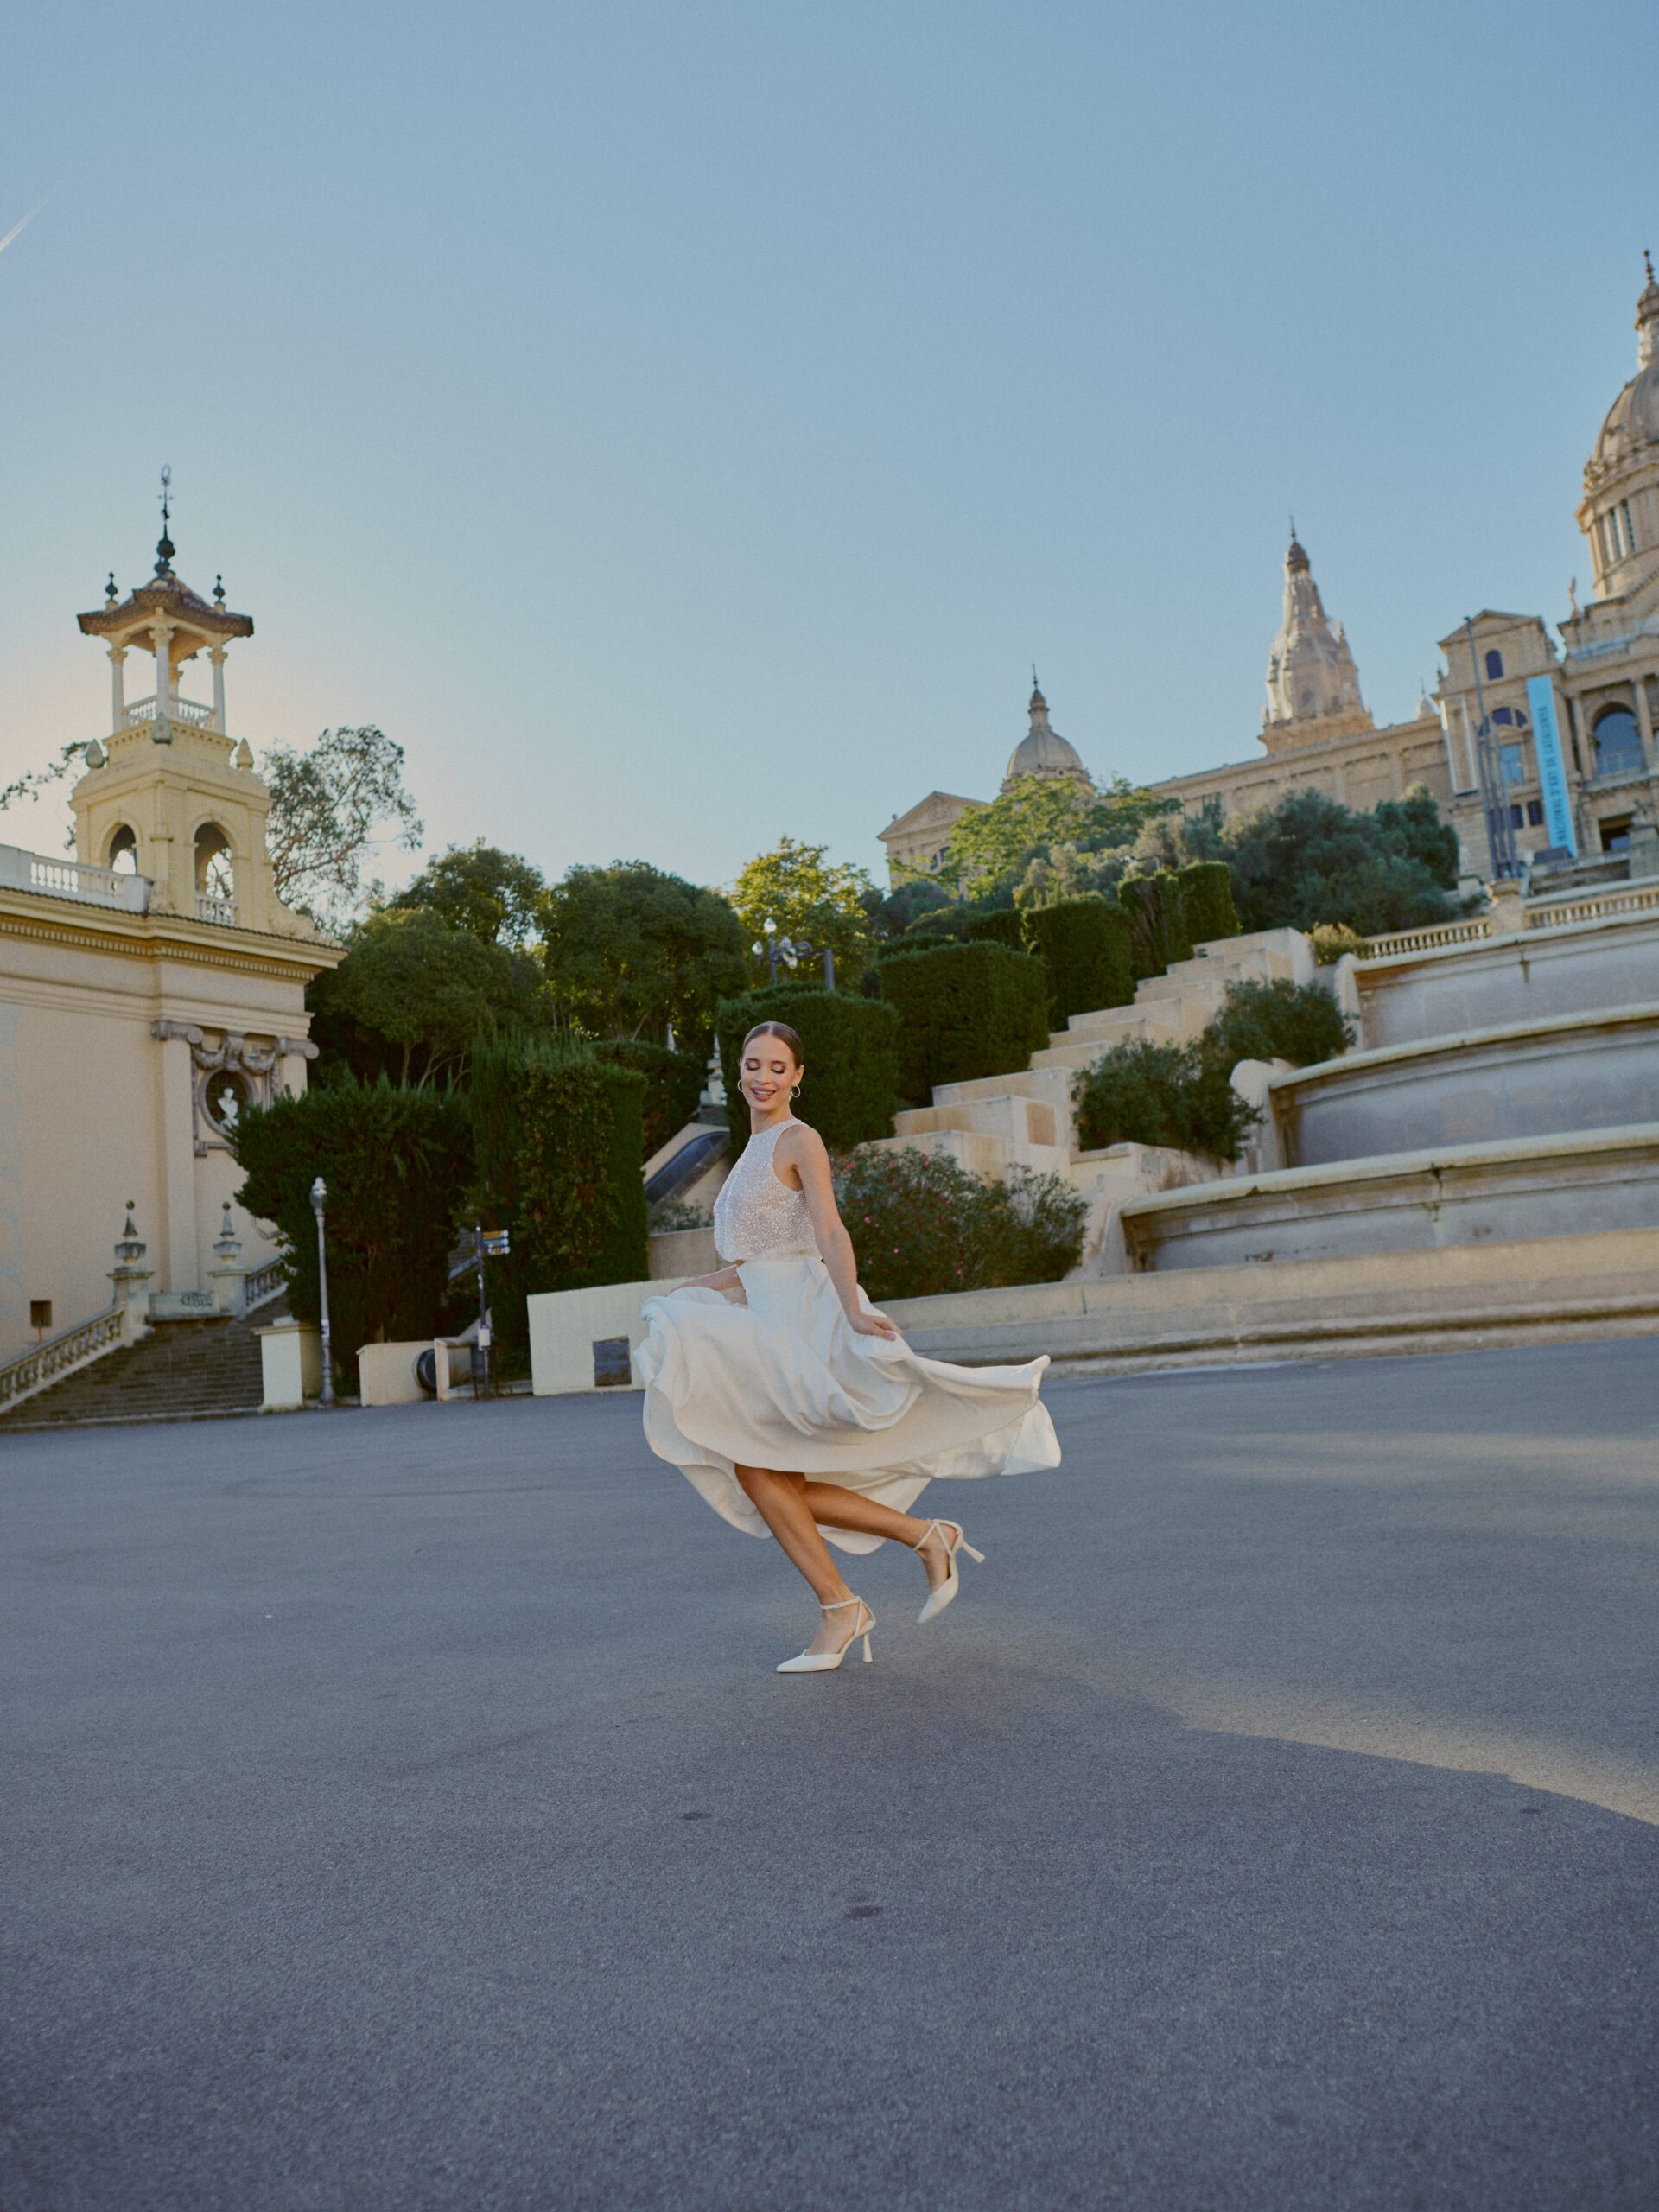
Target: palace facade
<point>1542,756</point>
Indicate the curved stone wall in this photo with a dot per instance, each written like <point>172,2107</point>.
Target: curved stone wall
<point>1542,1078</point>
<point>1539,976</point>
<point>1407,1202</point>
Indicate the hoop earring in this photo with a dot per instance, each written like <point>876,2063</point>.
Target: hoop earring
<point>795,1092</point>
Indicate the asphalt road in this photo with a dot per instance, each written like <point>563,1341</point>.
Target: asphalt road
<point>402,1812</point>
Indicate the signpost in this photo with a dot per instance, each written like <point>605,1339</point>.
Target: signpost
<point>494,1244</point>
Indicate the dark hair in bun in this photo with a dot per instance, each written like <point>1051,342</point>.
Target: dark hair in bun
<point>784,1034</point>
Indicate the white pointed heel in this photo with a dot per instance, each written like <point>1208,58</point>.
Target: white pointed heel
<point>950,1534</point>
<point>825,1662</point>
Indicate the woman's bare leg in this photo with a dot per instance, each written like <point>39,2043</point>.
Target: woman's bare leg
<point>837,1508</point>
<point>780,1500</point>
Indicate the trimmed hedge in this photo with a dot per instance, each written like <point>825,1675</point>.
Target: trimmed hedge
<point>1207,901</point>
<point>965,1010</point>
<point>1084,943</point>
<point>1157,913</point>
<point>559,1138</point>
<point>852,1060</point>
<point>396,1164</point>
<point>673,1084</point>
<point>921,1225</point>
<point>1142,1093</point>
<point>1002,925</point>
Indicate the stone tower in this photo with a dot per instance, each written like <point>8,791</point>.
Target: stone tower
<point>1312,684</point>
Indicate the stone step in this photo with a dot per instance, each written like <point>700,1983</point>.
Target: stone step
<point>181,1370</point>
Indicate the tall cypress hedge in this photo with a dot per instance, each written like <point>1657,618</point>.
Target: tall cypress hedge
<point>1002,925</point>
<point>1156,907</point>
<point>1207,901</point>
<point>852,1060</point>
<point>1084,943</point>
<point>673,1083</point>
<point>559,1138</point>
<point>396,1164</point>
<point>965,1010</point>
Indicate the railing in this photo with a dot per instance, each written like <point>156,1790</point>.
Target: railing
<point>1592,907</point>
<point>60,1356</point>
<point>210,909</point>
<point>67,879</point>
<point>1379,947</point>
<point>189,711</point>
<point>262,1284</point>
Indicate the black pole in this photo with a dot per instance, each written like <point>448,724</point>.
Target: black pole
<point>480,1349</point>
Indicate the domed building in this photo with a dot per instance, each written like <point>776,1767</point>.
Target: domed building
<point>1542,758</point>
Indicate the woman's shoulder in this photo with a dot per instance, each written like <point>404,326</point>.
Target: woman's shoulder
<point>800,1140</point>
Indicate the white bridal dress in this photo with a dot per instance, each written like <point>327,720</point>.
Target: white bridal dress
<point>780,1381</point>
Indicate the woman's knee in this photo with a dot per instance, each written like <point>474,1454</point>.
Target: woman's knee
<point>755,1481</point>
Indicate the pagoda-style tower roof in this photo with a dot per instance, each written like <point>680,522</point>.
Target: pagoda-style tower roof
<point>166,599</point>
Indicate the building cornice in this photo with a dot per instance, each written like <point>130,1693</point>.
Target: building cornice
<point>164,936</point>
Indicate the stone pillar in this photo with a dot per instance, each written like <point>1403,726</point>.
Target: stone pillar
<point>163,634</point>
<point>1508,910</point>
<point>131,1278</point>
<point>292,1054</point>
<point>1644,722</point>
<point>178,1120</point>
<point>117,688</point>
<point>228,1275</point>
<point>216,654</point>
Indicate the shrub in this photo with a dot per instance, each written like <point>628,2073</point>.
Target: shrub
<point>673,1084</point>
<point>558,1134</point>
<point>1297,1022</point>
<point>1157,913</point>
<point>921,1225</point>
<point>1084,943</point>
<point>1002,925</point>
<point>852,1060</point>
<point>396,1164</point>
<point>1332,939</point>
<point>965,1010</point>
<point>1142,1093</point>
<point>1207,901</point>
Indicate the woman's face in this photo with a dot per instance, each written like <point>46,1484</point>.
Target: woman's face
<point>770,1071</point>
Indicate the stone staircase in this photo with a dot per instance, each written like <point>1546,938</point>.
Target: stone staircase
<point>1024,1119</point>
<point>183,1370</point>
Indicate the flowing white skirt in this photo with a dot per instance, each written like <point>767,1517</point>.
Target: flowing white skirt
<point>782,1382</point>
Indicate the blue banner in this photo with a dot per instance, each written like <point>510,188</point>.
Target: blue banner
<point>1552,773</point>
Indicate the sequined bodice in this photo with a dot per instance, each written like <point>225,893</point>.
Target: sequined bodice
<point>756,1217</point>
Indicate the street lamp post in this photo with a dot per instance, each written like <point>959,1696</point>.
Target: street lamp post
<point>791,951</point>
<point>319,1200</point>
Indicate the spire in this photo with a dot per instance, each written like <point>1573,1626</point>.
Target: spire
<point>1312,684</point>
<point>1039,708</point>
<point>1296,553</point>
<point>1647,316</point>
<point>165,548</point>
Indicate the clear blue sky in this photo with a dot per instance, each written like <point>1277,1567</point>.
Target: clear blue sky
<point>682,424</point>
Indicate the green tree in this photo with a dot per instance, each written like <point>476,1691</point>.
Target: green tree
<point>495,896</point>
<point>1309,859</point>
<point>628,950</point>
<point>412,993</point>
<point>992,848</point>
<point>330,808</point>
<point>828,905</point>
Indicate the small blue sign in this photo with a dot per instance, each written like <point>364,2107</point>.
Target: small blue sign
<point>1552,772</point>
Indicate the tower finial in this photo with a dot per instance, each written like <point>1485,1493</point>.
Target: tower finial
<point>164,545</point>
<point>1647,262</point>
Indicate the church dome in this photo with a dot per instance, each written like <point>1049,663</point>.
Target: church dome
<point>1633,419</point>
<point>1042,751</point>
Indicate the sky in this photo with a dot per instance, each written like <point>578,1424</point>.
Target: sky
<point>682,425</point>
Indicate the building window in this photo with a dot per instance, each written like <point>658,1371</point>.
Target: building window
<point>1504,714</point>
<point>215,875</point>
<point>40,1315</point>
<point>1510,763</point>
<point>1494,666</point>
<point>1535,813</point>
<point>1518,817</point>
<point>1617,742</point>
<point>1628,527</point>
<point>1616,836</point>
<point>123,852</point>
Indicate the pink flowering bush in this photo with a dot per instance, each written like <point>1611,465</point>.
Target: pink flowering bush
<point>921,1225</point>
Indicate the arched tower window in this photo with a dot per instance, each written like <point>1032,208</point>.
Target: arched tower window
<point>1494,666</point>
<point>215,872</point>
<point>123,852</point>
<point>1618,742</point>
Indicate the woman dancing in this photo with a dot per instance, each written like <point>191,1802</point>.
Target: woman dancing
<point>794,1407</point>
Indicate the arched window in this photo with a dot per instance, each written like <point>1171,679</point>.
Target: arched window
<point>1504,714</point>
<point>1618,742</point>
<point>123,852</point>
<point>215,874</point>
<point>1494,666</point>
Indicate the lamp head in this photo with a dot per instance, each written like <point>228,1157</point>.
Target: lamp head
<point>319,1195</point>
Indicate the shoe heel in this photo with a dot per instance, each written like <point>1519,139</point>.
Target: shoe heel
<point>868,1655</point>
<point>963,1545</point>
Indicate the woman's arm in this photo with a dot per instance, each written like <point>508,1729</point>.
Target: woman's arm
<point>722,1279</point>
<point>803,1149</point>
